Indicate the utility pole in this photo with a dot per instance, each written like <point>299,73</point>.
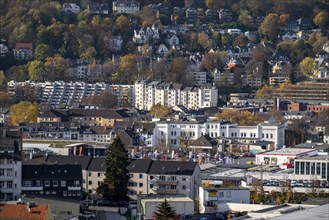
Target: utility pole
<point>261,172</point>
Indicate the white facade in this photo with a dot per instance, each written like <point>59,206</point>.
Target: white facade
<point>149,94</point>
<point>172,131</point>
<point>10,179</point>
<point>197,78</point>
<point>71,8</point>
<point>213,197</point>
<point>182,206</point>
<point>312,168</point>
<point>283,156</point>
<point>126,6</point>
<point>142,36</point>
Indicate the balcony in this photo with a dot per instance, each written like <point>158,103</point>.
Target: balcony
<point>165,191</point>
<point>74,187</point>
<point>32,188</point>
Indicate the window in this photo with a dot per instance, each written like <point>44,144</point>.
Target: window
<point>220,194</point>
<point>162,178</point>
<point>63,183</point>
<point>297,167</point>
<point>99,174</point>
<point>76,183</point>
<point>228,194</point>
<point>90,173</point>
<point>90,182</point>
<point>27,183</point>
<point>47,183</point>
<point>10,184</point>
<point>184,179</point>
<point>2,172</point>
<point>55,183</point>
<point>302,168</point>
<point>312,168</point>
<point>183,187</point>
<point>173,178</point>
<point>317,168</point>
<point>38,183</point>
<point>307,168</point>
<point>140,184</point>
<point>140,176</point>
<point>2,184</point>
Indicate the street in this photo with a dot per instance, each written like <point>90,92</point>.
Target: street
<point>107,213</point>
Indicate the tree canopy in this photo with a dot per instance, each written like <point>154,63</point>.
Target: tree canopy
<point>159,110</point>
<point>116,173</point>
<point>23,112</point>
<point>165,211</point>
<point>241,117</point>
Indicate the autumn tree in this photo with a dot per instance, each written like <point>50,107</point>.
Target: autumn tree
<point>308,67</point>
<point>56,68</point>
<point>321,19</point>
<point>23,112</point>
<point>123,24</point>
<point>165,211</point>
<point>5,99</point>
<point>270,27</point>
<point>160,111</point>
<point>178,70</point>
<point>2,77</point>
<point>147,16</point>
<point>241,117</point>
<point>266,92</point>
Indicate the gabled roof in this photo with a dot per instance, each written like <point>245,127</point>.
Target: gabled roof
<point>204,141</point>
<point>50,172</point>
<point>105,113</point>
<point>139,166</point>
<point>54,113</point>
<point>83,161</point>
<point>19,46</point>
<point>172,168</point>
<point>97,164</point>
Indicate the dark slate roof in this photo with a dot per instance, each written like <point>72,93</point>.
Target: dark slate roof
<point>50,172</point>
<point>37,159</point>
<point>54,113</point>
<point>97,164</point>
<point>69,160</point>
<point>204,141</point>
<point>139,166</point>
<point>172,168</point>
<point>105,113</point>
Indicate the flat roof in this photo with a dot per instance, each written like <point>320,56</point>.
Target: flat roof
<point>315,213</point>
<point>316,157</point>
<point>287,151</point>
<point>169,199</point>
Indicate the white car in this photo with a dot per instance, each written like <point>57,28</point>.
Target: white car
<point>88,214</point>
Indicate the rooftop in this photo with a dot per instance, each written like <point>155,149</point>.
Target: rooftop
<point>288,151</point>
<point>22,211</point>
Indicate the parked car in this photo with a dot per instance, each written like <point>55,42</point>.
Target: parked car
<point>88,214</point>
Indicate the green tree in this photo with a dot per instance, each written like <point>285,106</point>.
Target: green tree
<point>270,27</point>
<point>23,112</point>
<point>123,24</point>
<point>165,211</point>
<point>308,67</point>
<point>116,173</point>
<point>42,51</point>
<point>36,70</point>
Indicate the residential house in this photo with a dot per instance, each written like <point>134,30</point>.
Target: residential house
<point>225,15</point>
<point>98,8</point>
<point>71,8</point>
<point>162,50</point>
<point>173,131</point>
<point>292,26</point>
<point>204,145</point>
<point>323,66</point>
<point>23,51</point>
<point>75,160</point>
<point>290,36</point>
<point>211,15</point>
<point>85,70</point>
<point>4,114</point>
<point>196,78</point>
<point>95,175</point>
<point>10,163</point>
<point>52,180</point>
<point>99,134</point>
<point>223,78</point>
<point>3,50</point>
<point>305,24</point>
<point>145,130</point>
<point>126,6</point>
<point>114,43</point>
<point>213,194</point>
<point>251,80</point>
<point>191,15</point>
<point>172,40</point>
<point>163,177</point>
<point>234,31</point>
<point>145,33</point>
<point>277,80</point>
<point>130,139</point>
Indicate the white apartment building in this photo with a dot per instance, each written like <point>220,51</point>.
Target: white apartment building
<point>126,6</point>
<point>163,177</point>
<point>10,163</point>
<point>172,132</point>
<point>148,94</point>
<point>64,94</point>
<point>312,168</point>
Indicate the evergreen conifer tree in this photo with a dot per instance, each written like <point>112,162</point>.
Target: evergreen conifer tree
<point>165,211</point>
<point>116,173</point>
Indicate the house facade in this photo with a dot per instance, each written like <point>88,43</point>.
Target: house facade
<point>126,6</point>
<point>23,51</point>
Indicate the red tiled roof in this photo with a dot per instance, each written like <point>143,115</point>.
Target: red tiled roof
<point>23,46</point>
<point>20,211</point>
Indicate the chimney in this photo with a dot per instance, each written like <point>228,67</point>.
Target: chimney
<point>31,156</point>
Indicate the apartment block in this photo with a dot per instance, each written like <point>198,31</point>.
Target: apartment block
<point>10,163</point>
<point>148,94</point>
